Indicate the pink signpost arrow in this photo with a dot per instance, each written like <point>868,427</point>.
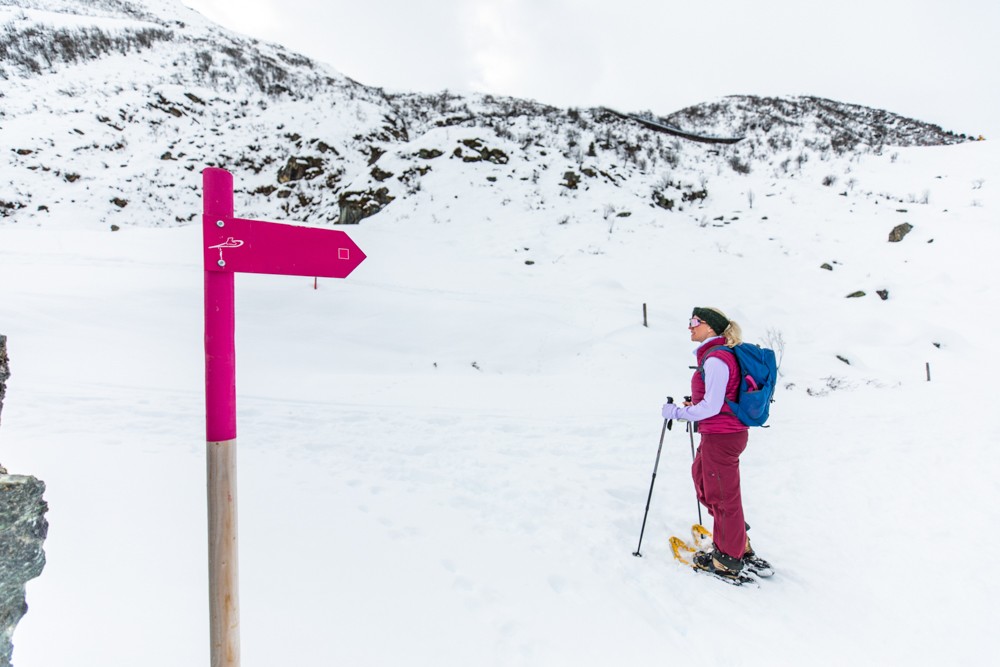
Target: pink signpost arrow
<point>235,245</point>
<point>252,246</point>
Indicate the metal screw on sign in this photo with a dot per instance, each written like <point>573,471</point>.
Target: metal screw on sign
<point>253,246</point>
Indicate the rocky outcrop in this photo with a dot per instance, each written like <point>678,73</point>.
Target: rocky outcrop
<point>571,180</point>
<point>298,168</point>
<point>355,206</point>
<point>482,152</point>
<point>4,370</point>
<point>662,200</point>
<point>22,532</point>
<point>899,232</point>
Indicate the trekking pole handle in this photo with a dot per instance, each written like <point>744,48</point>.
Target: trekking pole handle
<point>670,422</point>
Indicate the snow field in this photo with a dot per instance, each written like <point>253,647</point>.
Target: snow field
<point>394,512</point>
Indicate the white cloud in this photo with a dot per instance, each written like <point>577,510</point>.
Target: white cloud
<point>917,58</point>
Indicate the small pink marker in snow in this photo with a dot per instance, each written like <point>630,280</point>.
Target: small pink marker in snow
<point>236,245</point>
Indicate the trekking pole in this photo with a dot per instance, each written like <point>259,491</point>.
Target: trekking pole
<point>690,426</point>
<point>667,423</point>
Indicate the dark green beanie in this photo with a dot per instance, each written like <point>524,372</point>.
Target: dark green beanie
<point>716,320</point>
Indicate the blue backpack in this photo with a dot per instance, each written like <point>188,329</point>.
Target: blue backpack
<point>759,373</point>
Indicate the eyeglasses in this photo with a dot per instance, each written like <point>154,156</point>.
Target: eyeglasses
<point>695,322</point>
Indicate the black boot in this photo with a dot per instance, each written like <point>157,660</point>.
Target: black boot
<point>718,562</point>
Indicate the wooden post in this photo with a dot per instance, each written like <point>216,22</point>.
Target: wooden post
<point>223,561</point>
<point>645,322</point>
<point>220,421</point>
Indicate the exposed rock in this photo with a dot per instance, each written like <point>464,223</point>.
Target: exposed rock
<point>356,206</point>
<point>4,370</point>
<point>856,295</point>
<point>298,168</point>
<point>483,153</point>
<point>662,200</point>
<point>429,154</point>
<point>411,178</point>
<point>883,293</point>
<point>381,175</point>
<point>164,105</point>
<point>119,202</point>
<point>899,232</point>
<point>572,179</point>
<point>107,121</point>
<point>826,266</point>
<point>22,533</point>
<point>393,127</point>
<point>374,153</point>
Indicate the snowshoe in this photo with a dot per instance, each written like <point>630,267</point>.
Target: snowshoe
<point>709,563</point>
<point>756,565</point>
<point>699,536</point>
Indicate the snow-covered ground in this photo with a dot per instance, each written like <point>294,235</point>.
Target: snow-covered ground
<point>444,459</point>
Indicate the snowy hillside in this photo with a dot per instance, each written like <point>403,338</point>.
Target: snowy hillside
<point>444,459</point>
<point>319,147</point>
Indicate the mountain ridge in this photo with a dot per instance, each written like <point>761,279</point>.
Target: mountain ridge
<point>153,86</point>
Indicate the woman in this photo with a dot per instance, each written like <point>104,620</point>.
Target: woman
<point>716,468</point>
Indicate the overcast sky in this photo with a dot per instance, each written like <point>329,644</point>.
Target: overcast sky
<point>934,61</point>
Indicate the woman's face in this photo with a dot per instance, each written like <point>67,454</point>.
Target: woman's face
<point>700,331</point>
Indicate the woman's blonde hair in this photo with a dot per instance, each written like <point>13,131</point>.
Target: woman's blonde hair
<point>733,333</point>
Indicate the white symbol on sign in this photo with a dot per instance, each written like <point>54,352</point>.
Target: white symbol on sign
<point>228,243</point>
<point>343,253</point>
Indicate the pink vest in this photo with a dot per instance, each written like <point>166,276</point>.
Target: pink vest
<point>725,421</point>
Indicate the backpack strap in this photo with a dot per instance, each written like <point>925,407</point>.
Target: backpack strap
<point>701,366</point>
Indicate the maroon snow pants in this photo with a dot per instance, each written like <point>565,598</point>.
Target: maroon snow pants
<point>716,473</point>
